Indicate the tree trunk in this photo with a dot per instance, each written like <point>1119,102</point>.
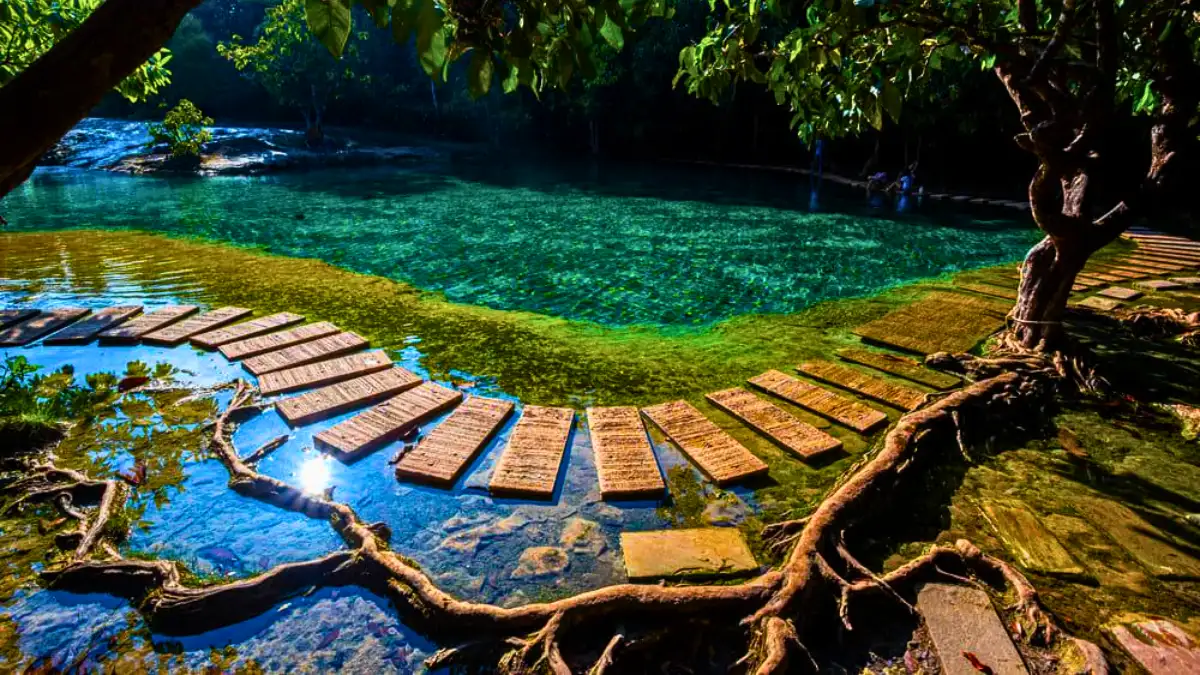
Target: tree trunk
<point>1046,278</point>
<point>43,103</point>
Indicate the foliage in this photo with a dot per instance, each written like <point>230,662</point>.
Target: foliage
<point>182,130</point>
<point>28,28</point>
<point>33,406</point>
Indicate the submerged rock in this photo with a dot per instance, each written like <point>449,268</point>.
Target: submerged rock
<point>967,632</point>
<point>538,561</point>
<point>583,536</point>
<point>1159,646</point>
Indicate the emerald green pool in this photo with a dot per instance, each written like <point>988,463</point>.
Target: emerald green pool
<point>619,245</point>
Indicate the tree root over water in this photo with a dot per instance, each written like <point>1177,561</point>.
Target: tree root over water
<point>67,489</point>
<point>819,584</point>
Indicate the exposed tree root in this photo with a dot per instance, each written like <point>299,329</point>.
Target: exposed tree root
<point>266,449</point>
<point>780,605</point>
<point>1163,322</point>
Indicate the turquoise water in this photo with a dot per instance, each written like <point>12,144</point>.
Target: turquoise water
<point>612,244</point>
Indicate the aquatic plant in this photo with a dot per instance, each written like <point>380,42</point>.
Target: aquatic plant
<point>182,130</point>
<point>34,408</point>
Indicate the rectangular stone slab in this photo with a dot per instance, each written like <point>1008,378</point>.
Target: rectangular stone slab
<point>82,332</point>
<point>304,353</point>
<point>1083,280</point>
<point>1158,645</point>
<point>47,322</point>
<point>1155,264</point>
<point>939,322</point>
<point>1148,545</point>
<point>988,289</point>
<point>696,552</point>
<point>324,372</point>
<point>1158,285</point>
<point>777,424</point>
<point>442,456</point>
<point>338,398</point>
<point>1115,272</point>
<point>1120,293</point>
<point>1187,281</point>
<point>9,317</point>
<point>244,349</point>
<point>961,620</point>
<point>718,454</point>
<point>625,463</point>
<point>901,367</point>
<point>134,329</point>
<point>387,421</point>
<point>245,330</point>
<point>1134,267</point>
<point>529,464</point>
<point>900,396</point>
<point>1168,248</point>
<point>1029,541</point>
<point>1100,304</point>
<point>821,401</point>
<point>1169,258</point>
<point>178,333</point>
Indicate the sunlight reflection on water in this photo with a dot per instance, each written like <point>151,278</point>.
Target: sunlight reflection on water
<point>314,475</point>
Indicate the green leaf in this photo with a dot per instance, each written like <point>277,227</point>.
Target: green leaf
<point>1148,101</point>
<point>479,74</point>
<point>612,34</point>
<point>513,79</point>
<point>874,114</point>
<point>891,100</point>
<point>431,40</point>
<point>329,21</point>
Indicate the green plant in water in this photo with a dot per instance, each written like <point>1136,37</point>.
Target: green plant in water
<point>182,130</point>
<point>33,407</point>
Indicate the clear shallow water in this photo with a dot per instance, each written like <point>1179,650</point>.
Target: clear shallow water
<point>614,244</point>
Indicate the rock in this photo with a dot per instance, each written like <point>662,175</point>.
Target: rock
<point>1102,557</point>
<point>706,551</point>
<point>1189,418</point>
<point>1081,657</point>
<point>469,540</point>
<point>583,536</point>
<point>724,512</point>
<point>966,631</point>
<point>1153,548</point>
<point>538,561</point>
<point>1028,540</point>
<point>1158,645</point>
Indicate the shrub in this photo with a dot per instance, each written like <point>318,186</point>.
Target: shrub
<point>182,130</point>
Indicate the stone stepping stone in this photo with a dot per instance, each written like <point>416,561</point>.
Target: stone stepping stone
<point>338,398</point>
<point>1078,288</point>
<point>988,289</point>
<point>83,332</point>
<point>248,329</point>
<point>44,323</point>
<point>901,367</point>
<point>939,322</point>
<point>1158,285</point>
<point>1170,258</point>
<point>442,456</point>
<point>1187,281</point>
<point>178,333</point>
<point>9,317</point>
<point>1099,304</point>
<point>134,329</point>
<point>1120,293</point>
<point>1158,645</point>
<point>777,424</point>
<point>1181,247</point>
<point>1101,276</point>
<point>304,353</point>
<point>1162,267</point>
<point>244,349</point>
<point>529,464</point>
<point>709,447</point>
<point>323,372</point>
<point>821,401</point>
<point>1153,548</point>
<point>1083,280</point>
<point>625,463</point>
<point>1134,267</point>
<point>378,426</point>
<point>899,396</point>
<point>962,621</point>
<point>687,553</point>
<point>1030,543</point>
<point>1116,272</point>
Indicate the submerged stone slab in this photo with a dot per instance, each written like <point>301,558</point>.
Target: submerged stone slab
<point>178,333</point>
<point>901,367</point>
<point>387,421</point>
<point>530,462</point>
<point>625,463</point>
<point>244,349</point>
<point>1158,645</point>
<point>305,353</point>
<point>1100,304</point>
<point>246,330</point>
<point>1158,285</point>
<point>134,329</point>
<point>891,393</point>
<point>1120,293</point>
<point>939,322</point>
<point>1117,271</point>
<point>322,373</point>
<point>697,552</point>
<point>1187,281</point>
<point>821,401</point>
<point>788,431</point>
<point>47,322</point>
<point>962,621</point>
<point>85,331</point>
<point>1153,548</point>
<point>442,456</point>
<point>989,289</point>
<point>714,451</point>
<point>1033,547</point>
<point>343,396</point>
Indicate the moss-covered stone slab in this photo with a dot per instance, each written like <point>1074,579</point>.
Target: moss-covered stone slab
<point>178,333</point>
<point>891,393</point>
<point>442,456</point>
<point>710,448</point>
<point>1102,276</point>
<point>1120,293</point>
<point>901,367</point>
<point>1099,304</point>
<point>250,347</point>
<point>387,421</point>
<point>859,417</point>
<point>1153,263</point>
<point>1114,272</point>
<point>530,463</point>
<point>625,463</point>
<point>343,396</point>
<point>43,324</point>
<point>246,330</point>
<point>1158,645</point>
<point>961,621</point>
<point>697,552</point>
<point>989,289</point>
<point>1087,282</point>
<point>939,322</point>
<point>322,373</point>
<point>1154,549</point>
<point>1157,285</point>
<point>785,429</point>
<point>1030,543</point>
<point>134,329</point>
<point>305,353</point>
<point>1187,281</point>
<point>83,332</point>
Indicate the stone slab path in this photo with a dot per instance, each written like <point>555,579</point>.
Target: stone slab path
<point>859,417</point>
<point>1157,285</point>
<point>710,448</point>
<point>305,353</point>
<point>343,396</point>
<point>1120,293</point>
<point>134,329</point>
<point>9,317</point>
<point>939,322</point>
<point>625,463</point>
<point>896,395</point>
<point>244,349</point>
<point>530,462</point>
<point>377,426</point>
<point>83,332</point>
<point>42,324</point>
<point>1030,543</point>
<point>178,333</point>
<point>785,429</point>
<point>1098,303</point>
<point>1159,646</point>
<point>901,367</point>
<point>697,552</point>
<point>1151,547</point>
<point>989,289</point>
<point>961,621</point>
<point>442,456</point>
<point>245,330</point>
<point>324,372</point>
